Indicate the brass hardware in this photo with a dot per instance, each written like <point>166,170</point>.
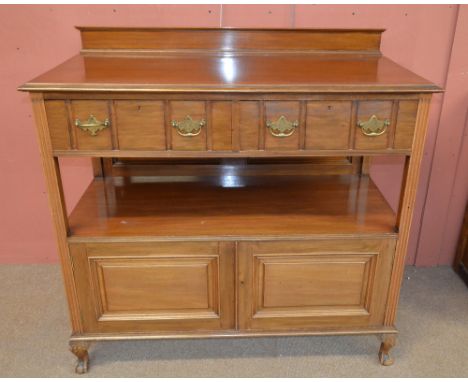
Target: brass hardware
<point>92,125</point>
<point>282,127</point>
<point>188,127</point>
<point>374,127</point>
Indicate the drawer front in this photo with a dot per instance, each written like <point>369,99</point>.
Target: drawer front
<point>91,125</point>
<point>189,125</point>
<point>282,126</point>
<point>313,284</point>
<point>155,286</point>
<point>328,125</point>
<point>227,126</point>
<point>373,125</point>
<point>385,125</point>
<point>405,123</point>
<point>140,125</point>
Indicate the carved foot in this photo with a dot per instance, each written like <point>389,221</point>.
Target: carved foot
<point>81,352</point>
<point>388,342</point>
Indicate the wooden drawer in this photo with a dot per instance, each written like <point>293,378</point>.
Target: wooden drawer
<point>140,125</point>
<point>377,125</point>
<point>150,125</point>
<point>313,284</point>
<point>399,120</point>
<point>228,126</point>
<point>188,121</point>
<point>164,286</point>
<point>328,125</point>
<point>282,125</point>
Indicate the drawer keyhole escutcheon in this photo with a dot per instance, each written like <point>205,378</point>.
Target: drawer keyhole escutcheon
<point>374,126</point>
<point>92,125</point>
<point>282,127</point>
<point>188,127</point>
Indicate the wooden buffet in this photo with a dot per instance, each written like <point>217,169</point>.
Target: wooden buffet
<point>231,195</point>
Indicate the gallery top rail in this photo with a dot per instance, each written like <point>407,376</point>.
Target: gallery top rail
<point>365,41</point>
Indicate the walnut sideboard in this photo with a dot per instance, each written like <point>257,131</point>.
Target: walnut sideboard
<point>231,195</point>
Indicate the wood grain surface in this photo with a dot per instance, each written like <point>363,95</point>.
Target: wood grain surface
<point>231,206</point>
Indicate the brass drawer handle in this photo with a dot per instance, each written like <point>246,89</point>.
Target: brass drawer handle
<point>92,125</point>
<point>282,127</point>
<point>374,126</point>
<point>188,127</point>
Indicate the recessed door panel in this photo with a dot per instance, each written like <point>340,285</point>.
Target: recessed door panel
<point>313,284</point>
<point>138,287</point>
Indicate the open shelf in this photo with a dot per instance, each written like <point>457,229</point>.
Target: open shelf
<point>230,207</point>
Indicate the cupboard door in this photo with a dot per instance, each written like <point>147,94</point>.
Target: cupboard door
<point>149,287</point>
<point>313,284</point>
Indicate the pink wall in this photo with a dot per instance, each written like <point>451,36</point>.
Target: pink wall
<point>444,210</point>
<point>420,37</point>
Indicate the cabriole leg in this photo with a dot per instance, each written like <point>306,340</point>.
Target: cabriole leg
<point>80,349</point>
<point>388,342</point>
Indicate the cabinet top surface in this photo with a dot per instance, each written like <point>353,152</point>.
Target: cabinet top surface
<point>225,60</point>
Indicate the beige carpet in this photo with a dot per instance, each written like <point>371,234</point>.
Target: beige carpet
<point>433,323</point>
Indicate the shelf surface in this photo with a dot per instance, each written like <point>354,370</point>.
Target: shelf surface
<point>230,207</point>
<point>247,73</point>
